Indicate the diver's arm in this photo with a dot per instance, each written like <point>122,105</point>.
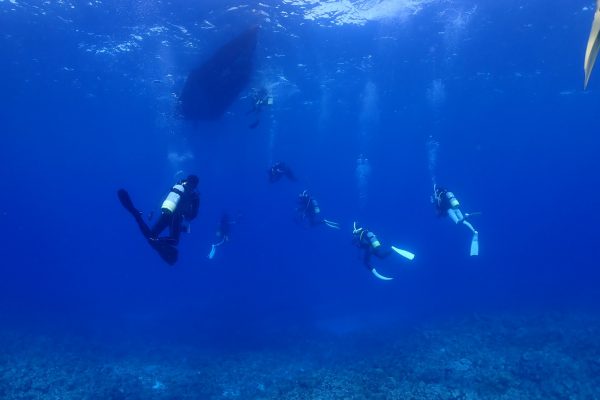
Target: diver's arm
<point>194,206</point>
<point>439,211</point>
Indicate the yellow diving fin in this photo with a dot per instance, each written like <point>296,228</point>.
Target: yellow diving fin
<point>593,45</point>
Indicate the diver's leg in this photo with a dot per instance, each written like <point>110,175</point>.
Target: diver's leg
<point>175,228</point>
<point>382,252</point>
<point>290,175</point>
<point>455,215</point>
<point>316,220</point>
<point>462,219</point>
<point>468,225</point>
<point>163,221</point>
<point>137,214</point>
<point>142,224</point>
<point>367,259</point>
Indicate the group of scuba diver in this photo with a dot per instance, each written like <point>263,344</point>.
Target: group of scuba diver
<point>181,205</point>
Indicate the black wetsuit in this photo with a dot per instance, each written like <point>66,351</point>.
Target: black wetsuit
<point>442,202</point>
<point>308,208</point>
<point>187,208</point>
<point>367,241</point>
<point>224,227</point>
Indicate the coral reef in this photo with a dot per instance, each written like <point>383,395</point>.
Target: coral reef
<point>550,356</point>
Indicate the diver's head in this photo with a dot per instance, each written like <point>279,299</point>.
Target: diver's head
<point>192,181</point>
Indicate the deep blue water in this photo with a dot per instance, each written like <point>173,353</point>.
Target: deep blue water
<point>88,105</point>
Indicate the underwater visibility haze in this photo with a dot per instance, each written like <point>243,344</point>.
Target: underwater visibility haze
<point>396,199</point>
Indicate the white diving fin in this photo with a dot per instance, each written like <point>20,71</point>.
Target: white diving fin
<point>593,46</point>
<point>404,253</point>
<point>331,224</point>
<point>379,276</point>
<point>213,250</point>
<point>475,245</point>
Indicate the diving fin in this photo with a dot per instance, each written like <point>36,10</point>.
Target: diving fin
<point>475,245</point>
<point>331,224</point>
<point>167,251</point>
<point>128,205</point>
<point>126,201</point>
<point>593,46</point>
<point>379,276</point>
<point>213,250</point>
<point>403,253</point>
<point>164,246</point>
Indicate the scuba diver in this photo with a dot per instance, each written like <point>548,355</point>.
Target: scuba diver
<point>366,240</point>
<point>181,204</point>
<point>309,210</point>
<point>260,99</point>
<point>222,233</point>
<point>279,170</point>
<point>446,204</point>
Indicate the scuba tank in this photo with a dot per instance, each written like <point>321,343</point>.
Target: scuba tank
<point>173,198</point>
<point>373,240</point>
<point>452,200</point>
<point>316,206</point>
